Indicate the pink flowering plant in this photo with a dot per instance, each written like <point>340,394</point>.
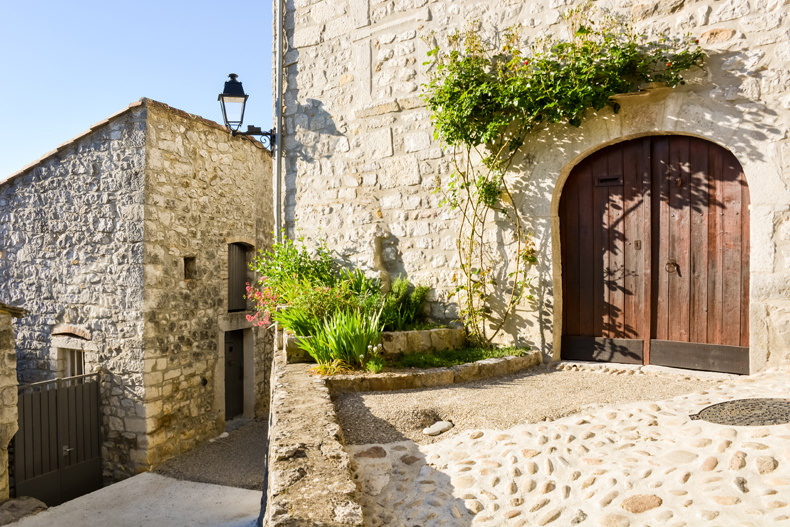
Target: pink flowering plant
<point>264,300</point>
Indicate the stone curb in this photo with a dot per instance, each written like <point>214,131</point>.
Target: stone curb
<point>310,482</point>
<point>430,378</point>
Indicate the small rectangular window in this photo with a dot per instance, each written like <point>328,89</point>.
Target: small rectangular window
<point>75,363</point>
<point>189,267</point>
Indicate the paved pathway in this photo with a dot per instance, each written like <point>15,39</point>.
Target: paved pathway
<point>151,500</point>
<point>638,464</point>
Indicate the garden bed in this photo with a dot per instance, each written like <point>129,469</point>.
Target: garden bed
<point>395,343</point>
<point>432,377</point>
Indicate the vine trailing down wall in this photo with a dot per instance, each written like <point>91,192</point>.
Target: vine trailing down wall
<point>486,97</point>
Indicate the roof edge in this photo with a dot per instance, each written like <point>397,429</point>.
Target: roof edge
<point>145,102</point>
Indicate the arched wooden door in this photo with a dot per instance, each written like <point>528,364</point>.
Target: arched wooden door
<point>655,256</point>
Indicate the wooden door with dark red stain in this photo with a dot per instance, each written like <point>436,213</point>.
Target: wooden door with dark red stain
<point>700,222</point>
<point>655,256</point>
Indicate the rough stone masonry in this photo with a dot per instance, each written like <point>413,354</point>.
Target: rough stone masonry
<point>8,391</point>
<point>117,244</point>
<point>361,160</point>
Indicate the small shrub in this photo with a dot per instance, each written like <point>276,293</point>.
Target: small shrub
<point>317,348</point>
<point>351,336</point>
<point>288,260</point>
<point>375,365</point>
<point>403,305</point>
<point>359,284</point>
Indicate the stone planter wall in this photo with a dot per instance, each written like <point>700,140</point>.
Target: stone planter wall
<point>310,480</point>
<point>397,343</point>
<point>433,377</point>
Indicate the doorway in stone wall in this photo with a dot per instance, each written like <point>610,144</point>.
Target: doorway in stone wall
<point>234,374</point>
<point>655,256</point>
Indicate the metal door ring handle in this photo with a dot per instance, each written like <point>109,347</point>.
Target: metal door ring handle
<point>671,267</point>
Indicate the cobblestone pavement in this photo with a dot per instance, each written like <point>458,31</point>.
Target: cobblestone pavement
<point>637,464</point>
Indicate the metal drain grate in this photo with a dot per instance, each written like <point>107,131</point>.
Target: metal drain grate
<point>747,412</point>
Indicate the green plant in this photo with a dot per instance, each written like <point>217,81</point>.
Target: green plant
<point>448,358</point>
<point>297,320</point>
<point>359,284</point>
<point>332,367</point>
<point>403,305</point>
<point>485,99</point>
<point>316,347</point>
<point>375,365</point>
<point>291,260</point>
<point>350,337</point>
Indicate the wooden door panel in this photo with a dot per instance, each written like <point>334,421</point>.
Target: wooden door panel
<point>234,373</point>
<point>731,253</point>
<point>600,218</point>
<point>698,251</point>
<point>715,256</point>
<point>701,252</point>
<point>677,240</point>
<point>603,251</point>
<point>659,216</point>
<point>655,248</point>
<point>585,254</point>
<point>700,356</point>
<point>571,272</point>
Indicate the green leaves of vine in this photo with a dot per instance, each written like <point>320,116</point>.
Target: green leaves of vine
<point>484,101</point>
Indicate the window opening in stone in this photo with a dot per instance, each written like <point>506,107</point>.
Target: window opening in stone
<point>189,267</point>
<point>238,268</point>
<point>75,363</point>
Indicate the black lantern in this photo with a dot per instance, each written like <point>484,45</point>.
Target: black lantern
<point>233,99</point>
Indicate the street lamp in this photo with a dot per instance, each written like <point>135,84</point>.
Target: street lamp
<point>233,100</point>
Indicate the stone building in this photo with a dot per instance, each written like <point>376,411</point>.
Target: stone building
<point>8,395</point>
<point>129,246</point>
<point>361,161</point>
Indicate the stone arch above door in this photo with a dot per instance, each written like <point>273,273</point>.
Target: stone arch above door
<point>654,238</point>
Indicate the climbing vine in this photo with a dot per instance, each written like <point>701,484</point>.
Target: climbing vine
<point>486,97</point>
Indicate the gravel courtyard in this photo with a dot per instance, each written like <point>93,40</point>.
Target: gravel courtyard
<point>544,393</point>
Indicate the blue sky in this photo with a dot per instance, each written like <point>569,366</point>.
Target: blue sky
<point>68,64</point>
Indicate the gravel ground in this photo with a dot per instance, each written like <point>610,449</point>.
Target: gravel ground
<point>545,393</point>
<point>233,461</point>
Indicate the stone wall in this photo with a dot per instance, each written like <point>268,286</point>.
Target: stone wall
<point>71,253</point>
<point>8,394</point>
<point>92,243</point>
<point>310,482</point>
<point>361,160</point>
<point>204,189</point>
